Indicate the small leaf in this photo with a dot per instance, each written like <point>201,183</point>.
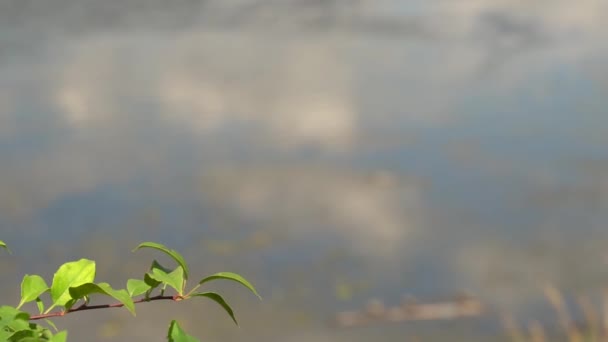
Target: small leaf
<point>3,245</point>
<point>40,305</point>
<point>46,334</point>
<point>156,264</point>
<point>153,283</point>
<point>61,336</point>
<point>177,334</point>
<point>218,299</point>
<point>32,287</point>
<point>70,303</point>
<point>13,323</point>
<point>70,274</point>
<point>5,335</point>
<point>23,334</point>
<point>172,253</point>
<point>9,313</point>
<point>135,287</point>
<point>105,289</point>
<point>174,279</point>
<point>231,276</point>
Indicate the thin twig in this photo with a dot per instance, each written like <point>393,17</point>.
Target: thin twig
<point>101,306</point>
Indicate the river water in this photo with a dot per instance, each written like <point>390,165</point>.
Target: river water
<point>332,152</point>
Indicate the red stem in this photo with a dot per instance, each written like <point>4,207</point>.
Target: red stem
<point>84,307</point>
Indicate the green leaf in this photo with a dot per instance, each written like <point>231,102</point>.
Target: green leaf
<point>61,336</point>
<point>70,274</point>
<point>32,287</point>
<point>13,324</point>
<point>103,288</point>
<point>3,245</point>
<point>70,303</point>
<point>218,299</point>
<point>19,325</point>
<point>231,276</point>
<point>136,287</point>
<point>46,334</point>
<point>24,335</point>
<point>177,334</point>
<point>156,264</point>
<point>153,283</point>
<point>5,335</point>
<point>40,304</point>
<point>9,313</point>
<point>172,253</point>
<point>175,279</point>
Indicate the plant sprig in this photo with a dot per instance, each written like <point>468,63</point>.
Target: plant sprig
<point>74,283</point>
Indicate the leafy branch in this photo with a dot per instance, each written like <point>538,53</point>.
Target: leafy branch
<point>84,307</point>
<point>74,283</point>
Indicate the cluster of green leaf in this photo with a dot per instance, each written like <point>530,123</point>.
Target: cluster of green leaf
<point>74,283</point>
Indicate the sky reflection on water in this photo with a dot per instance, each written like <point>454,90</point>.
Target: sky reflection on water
<point>384,148</point>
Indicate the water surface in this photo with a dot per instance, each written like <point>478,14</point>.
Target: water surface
<point>330,151</point>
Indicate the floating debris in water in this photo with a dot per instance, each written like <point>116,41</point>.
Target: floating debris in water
<point>409,310</point>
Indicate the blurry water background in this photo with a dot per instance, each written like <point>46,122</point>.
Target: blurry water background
<point>330,151</point>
